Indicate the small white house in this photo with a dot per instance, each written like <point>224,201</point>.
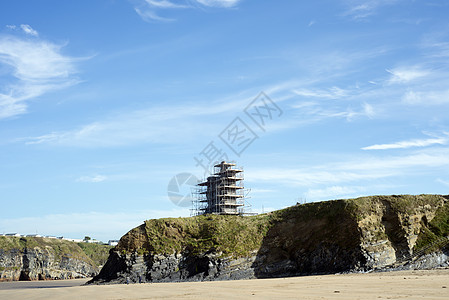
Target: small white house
<point>113,242</point>
<point>93,241</point>
<point>13,234</point>
<point>73,240</point>
<point>33,235</point>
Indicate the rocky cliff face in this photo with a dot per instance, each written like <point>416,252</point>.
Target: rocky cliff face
<point>318,238</point>
<point>43,260</point>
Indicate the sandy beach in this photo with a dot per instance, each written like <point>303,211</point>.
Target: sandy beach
<point>432,284</point>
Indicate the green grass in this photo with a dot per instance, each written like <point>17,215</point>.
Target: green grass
<point>231,235</point>
<point>435,230</point>
<point>405,204</point>
<point>97,253</point>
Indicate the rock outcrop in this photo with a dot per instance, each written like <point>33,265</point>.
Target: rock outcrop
<point>43,259</point>
<point>356,235</point>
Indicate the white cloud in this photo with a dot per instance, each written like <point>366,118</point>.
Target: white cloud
<point>164,4</point>
<point>163,125</point>
<point>409,144</point>
<point>313,176</point>
<point>426,98</point>
<point>28,30</point>
<point>333,192</point>
<point>312,112</point>
<point>93,179</point>
<point>219,3</point>
<point>37,66</point>
<point>442,181</point>
<point>362,9</point>
<point>412,97</point>
<point>368,110</point>
<point>437,44</point>
<point>149,15</point>
<point>149,10</point>
<point>364,168</point>
<point>429,158</point>
<point>405,75</point>
<point>332,93</point>
<point>345,192</point>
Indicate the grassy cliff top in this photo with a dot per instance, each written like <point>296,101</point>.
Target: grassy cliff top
<point>239,235</point>
<point>228,234</point>
<point>91,253</point>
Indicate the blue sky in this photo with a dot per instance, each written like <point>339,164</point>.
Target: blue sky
<point>103,102</point>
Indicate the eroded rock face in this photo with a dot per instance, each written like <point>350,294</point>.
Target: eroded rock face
<point>388,236</point>
<point>372,235</point>
<point>41,264</point>
<point>134,268</point>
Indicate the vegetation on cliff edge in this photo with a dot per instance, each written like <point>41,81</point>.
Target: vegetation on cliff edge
<point>435,233</point>
<point>237,236</point>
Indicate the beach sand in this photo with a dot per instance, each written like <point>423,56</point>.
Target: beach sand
<point>431,284</point>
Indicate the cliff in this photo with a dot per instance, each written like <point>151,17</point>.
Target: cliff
<point>361,234</point>
<point>34,258</point>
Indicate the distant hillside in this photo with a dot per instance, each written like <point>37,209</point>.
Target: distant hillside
<point>361,234</point>
<point>35,258</point>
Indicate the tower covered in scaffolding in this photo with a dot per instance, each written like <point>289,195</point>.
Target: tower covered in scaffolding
<point>222,193</point>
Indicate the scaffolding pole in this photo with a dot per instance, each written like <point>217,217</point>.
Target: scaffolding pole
<point>221,193</point>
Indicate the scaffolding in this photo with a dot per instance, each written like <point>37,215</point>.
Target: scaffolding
<point>221,193</point>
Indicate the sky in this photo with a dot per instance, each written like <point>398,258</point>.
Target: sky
<point>106,106</point>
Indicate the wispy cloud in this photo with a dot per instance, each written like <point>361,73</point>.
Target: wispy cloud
<point>36,67</point>
<point>359,10</point>
<point>360,169</point>
<point>28,30</point>
<point>164,4</point>
<point>333,192</point>
<point>163,124</point>
<point>409,144</point>
<point>219,3</point>
<point>149,15</point>
<point>436,43</point>
<point>331,93</point>
<point>442,181</point>
<point>311,112</point>
<point>406,74</point>
<point>92,179</point>
<point>149,10</point>
<point>315,176</point>
<point>346,191</point>
<point>431,97</point>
